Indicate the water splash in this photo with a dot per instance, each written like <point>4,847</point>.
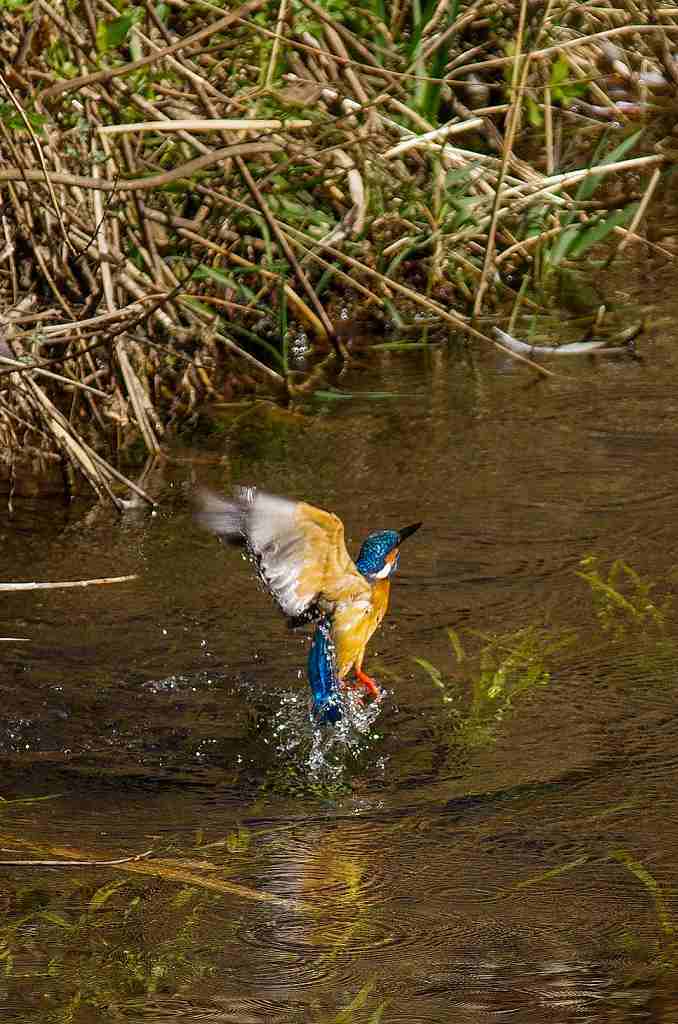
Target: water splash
<point>322,753</point>
<point>334,746</point>
<point>179,683</point>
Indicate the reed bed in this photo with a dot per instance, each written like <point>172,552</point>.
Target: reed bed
<point>191,195</point>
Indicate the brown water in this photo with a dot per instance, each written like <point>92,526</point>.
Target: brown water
<point>443,860</point>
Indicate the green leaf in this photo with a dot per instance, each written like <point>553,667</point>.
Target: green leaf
<point>590,184</point>
<point>111,34</point>
<point>199,307</point>
<point>563,244</point>
<point>345,1016</point>
<point>563,91</point>
<point>292,209</point>
<point>546,876</point>
<point>434,673</point>
<point>215,275</point>
<point>560,69</point>
<point>399,257</point>
<point>238,842</point>
<point>28,799</point>
<point>331,396</point>
<point>459,176</point>
<point>534,114</point>
<point>456,644</point>
<point>378,1013</point>
<point>601,229</point>
<point>650,882</point>
<point>11,117</point>
<point>466,210</point>
<point>564,94</point>
<point>184,896</point>
<point>104,893</point>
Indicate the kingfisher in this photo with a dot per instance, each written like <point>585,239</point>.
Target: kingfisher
<point>301,558</point>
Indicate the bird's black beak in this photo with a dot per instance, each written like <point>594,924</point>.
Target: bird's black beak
<point>407,531</point>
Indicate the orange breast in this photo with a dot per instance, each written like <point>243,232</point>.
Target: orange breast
<point>381,591</point>
<point>353,624</point>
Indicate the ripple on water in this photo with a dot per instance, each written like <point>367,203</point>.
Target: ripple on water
<point>478,988</point>
<point>224,1010</point>
<point>290,951</point>
<point>463,970</point>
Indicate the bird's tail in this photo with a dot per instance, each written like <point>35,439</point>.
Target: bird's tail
<point>322,674</point>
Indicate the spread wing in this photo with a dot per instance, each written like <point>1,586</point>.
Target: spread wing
<point>299,549</point>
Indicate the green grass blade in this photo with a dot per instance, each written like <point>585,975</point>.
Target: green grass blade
<point>599,230</point>
<point>590,184</point>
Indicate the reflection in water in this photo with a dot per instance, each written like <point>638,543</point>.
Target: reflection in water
<point>466,850</point>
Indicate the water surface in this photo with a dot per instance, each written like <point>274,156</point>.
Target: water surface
<point>512,858</point>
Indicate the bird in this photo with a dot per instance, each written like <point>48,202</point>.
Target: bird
<point>301,558</point>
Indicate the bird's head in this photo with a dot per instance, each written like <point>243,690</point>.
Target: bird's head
<point>378,556</point>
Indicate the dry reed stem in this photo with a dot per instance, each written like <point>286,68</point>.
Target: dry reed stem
<point>205,124</point>
<point>65,584</point>
<point>349,37</point>
<point>560,181</point>
<point>54,331</point>
<point>434,135</point>
<point>565,46</point>
<point>275,49</point>
<point>69,381</point>
<point>248,357</point>
<point>640,212</point>
<point>303,310</point>
<point>110,73</point>
<point>641,240</point>
<point>273,224</point>
<point>466,18</point>
<point>41,157</point>
<point>548,130</point>
<point>520,71</point>
<point>73,447</point>
<point>153,181</point>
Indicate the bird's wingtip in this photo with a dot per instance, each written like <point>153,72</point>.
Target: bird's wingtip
<point>220,516</point>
